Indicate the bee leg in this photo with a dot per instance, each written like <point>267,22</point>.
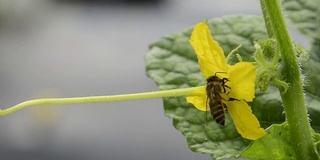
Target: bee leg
<point>225,107</point>
<point>223,83</point>
<point>207,111</point>
<point>233,99</point>
<point>224,88</point>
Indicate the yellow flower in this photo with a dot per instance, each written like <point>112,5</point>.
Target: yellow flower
<point>241,77</point>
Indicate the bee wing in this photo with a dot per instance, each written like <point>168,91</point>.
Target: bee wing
<point>224,96</point>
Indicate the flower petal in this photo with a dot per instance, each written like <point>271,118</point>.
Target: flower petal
<point>246,123</point>
<point>199,98</point>
<point>210,55</point>
<point>242,76</point>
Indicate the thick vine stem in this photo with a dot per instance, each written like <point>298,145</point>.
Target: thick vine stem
<point>96,99</point>
<point>293,100</point>
<point>266,19</point>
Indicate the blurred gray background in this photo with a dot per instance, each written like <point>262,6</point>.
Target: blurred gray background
<point>81,48</point>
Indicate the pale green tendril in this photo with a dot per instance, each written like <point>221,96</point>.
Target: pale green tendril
<point>96,99</point>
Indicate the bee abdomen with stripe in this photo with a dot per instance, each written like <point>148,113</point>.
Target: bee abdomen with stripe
<point>217,109</point>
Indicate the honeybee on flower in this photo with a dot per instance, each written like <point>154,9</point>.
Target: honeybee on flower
<point>237,85</point>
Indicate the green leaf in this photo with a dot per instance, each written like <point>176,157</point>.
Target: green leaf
<point>172,63</point>
<point>271,112</point>
<point>275,145</point>
<point>304,16</point>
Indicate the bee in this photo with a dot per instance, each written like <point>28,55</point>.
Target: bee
<point>216,102</point>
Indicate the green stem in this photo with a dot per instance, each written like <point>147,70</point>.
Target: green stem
<point>266,18</point>
<point>293,99</point>
<point>276,56</point>
<point>95,99</point>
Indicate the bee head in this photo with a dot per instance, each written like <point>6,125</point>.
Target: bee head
<point>213,79</point>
